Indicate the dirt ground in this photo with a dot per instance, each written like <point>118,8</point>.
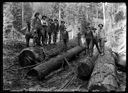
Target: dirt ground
<point>15,80</point>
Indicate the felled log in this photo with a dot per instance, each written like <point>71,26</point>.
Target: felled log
<point>86,66</point>
<point>31,55</point>
<point>120,61</point>
<point>53,64</point>
<point>103,77</point>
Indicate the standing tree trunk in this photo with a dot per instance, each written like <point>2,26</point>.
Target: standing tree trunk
<point>104,76</point>
<point>22,14</point>
<point>104,18</point>
<point>59,21</point>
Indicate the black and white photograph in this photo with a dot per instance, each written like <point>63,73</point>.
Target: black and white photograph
<point>64,46</point>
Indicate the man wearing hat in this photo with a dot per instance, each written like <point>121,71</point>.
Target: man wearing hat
<point>101,37</point>
<point>89,40</point>
<point>95,40</point>
<point>56,29</point>
<point>35,30</point>
<point>50,30</point>
<point>61,28</point>
<point>65,38</point>
<point>44,30</point>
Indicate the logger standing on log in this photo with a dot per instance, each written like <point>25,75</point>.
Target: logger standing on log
<point>89,40</point>
<point>101,38</point>
<point>35,29</point>
<point>79,36</point>
<point>49,30</point>
<point>61,28</point>
<point>95,40</point>
<point>56,29</point>
<point>65,38</point>
<point>44,30</point>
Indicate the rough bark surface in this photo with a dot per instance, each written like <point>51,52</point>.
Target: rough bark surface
<point>53,64</point>
<point>103,77</point>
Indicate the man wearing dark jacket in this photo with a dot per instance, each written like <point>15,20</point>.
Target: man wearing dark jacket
<point>36,28</point>
<point>61,28</point>
<point>95,40</point>
<point>50,30</point>
<point>44,30</point>
<point>89,40</point>
<point>56,29</point>
<point>65,38</point>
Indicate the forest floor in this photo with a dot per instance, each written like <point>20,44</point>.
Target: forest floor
<point>15,80</point>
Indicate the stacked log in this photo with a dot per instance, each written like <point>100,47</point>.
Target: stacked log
<point>53,64</point>
<point>86,66</point>
<point>103,77</point>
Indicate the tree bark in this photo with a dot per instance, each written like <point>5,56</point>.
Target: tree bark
<point>86,66</point>
<point>53,64</point>
<point>103,77</point>
<point>31,55</point>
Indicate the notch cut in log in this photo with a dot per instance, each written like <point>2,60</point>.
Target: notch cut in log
<point>103,77</point>
<point>86,66</point>
<point>53,64</point>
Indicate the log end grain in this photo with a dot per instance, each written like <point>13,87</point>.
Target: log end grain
<point>31,55</point>
<point>26,58</point>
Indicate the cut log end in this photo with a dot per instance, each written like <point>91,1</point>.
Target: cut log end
<point>26,58</point>
<point>31,55</point>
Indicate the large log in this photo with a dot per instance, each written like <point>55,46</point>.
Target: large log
<point>103,77</point>
<point>31,55</point>
<point>86,66</point>
<point>53,64</point>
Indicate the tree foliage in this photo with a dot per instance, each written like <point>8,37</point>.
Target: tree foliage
<point>27,11</point>
<point>16,11</point>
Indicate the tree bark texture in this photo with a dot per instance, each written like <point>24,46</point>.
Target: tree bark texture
<point>103,77</point>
